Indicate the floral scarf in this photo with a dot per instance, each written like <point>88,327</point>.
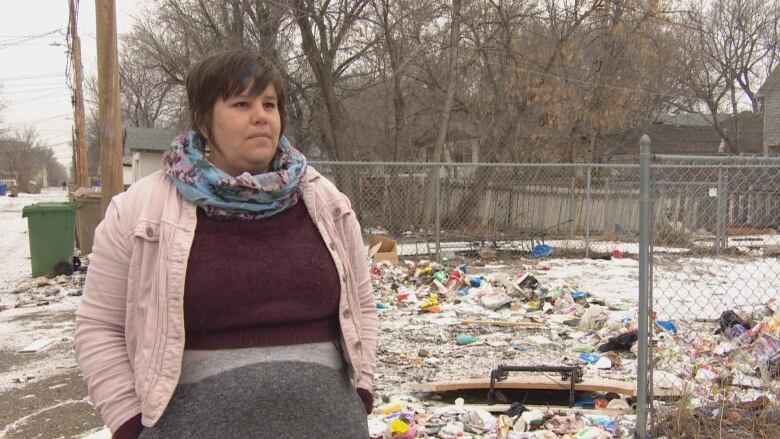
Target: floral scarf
<point>245,196</point>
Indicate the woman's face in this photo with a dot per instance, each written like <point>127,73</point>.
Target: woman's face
<point>245,131</point>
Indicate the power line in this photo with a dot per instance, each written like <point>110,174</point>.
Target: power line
<point>39,97</point>
<point>16,41</point>
<point>36,90</point>
<point>56,97</point>
<point>31,36</point>
<point>62,116</point>
<point>33,76</point>
<point>33,84</point>
<point>30,148</point>
<point>52,44</point>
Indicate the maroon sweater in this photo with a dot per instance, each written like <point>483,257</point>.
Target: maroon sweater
<point>267,282</point>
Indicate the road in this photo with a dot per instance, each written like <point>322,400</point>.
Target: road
<point>41,393</point>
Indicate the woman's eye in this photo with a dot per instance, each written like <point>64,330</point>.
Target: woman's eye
<point>241,104</point>
<point>270,105</point>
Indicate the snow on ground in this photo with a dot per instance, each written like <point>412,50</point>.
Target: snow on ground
<point>14,244</point>
<point>24,325</point>
<point>685,287</point>
<point>21,327</point>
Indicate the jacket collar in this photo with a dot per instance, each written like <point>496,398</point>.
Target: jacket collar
<point>309,192</point>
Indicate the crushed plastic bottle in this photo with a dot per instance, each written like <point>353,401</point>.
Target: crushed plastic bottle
<point>464,339</point>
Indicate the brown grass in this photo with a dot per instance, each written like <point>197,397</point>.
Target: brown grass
<point>673,234</point>
<point>683,422</point>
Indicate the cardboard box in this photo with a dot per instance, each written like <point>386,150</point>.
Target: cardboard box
<point>383,249</point>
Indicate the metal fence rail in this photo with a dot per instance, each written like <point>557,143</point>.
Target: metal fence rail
<point>705,228</point>
<point>435,204</point>
<point>724,212</point>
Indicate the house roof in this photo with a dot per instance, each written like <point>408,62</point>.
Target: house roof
<point>772,83</point>
<point>686,119</point>
<point>149,139</point>
<point>697,140</point>
<point>673,139</point>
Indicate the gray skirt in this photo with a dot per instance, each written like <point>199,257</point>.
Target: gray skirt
<point>299,391</point>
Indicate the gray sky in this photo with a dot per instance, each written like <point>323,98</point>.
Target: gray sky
<point>32,72</point>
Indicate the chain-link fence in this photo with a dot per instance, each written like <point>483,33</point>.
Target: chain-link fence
<point>713,325</point>
<point>449,208</point>
<point>707,244</point>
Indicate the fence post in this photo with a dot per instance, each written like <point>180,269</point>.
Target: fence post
<point>644,253</point>
<point>725,215</point>
<point>572,222</point>
<point>719,213</point>
<point>587,214</point>
<point>437,202</point>
<point>605,228</point>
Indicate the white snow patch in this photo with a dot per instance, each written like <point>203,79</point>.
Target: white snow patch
<point>14,243</point>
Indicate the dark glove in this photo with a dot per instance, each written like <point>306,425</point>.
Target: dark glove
<point>367,398</point>
<point>130,429</point>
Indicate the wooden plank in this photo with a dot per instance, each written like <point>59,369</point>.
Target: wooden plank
<point>540,382</point>
<point>502,323</point>
<point>558,410</point>
<point>39,345</point>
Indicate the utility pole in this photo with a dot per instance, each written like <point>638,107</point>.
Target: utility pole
<point>111,132</point>
<point>80,166</point>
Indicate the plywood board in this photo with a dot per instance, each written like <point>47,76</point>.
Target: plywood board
<point>560,410</point>
<point>530,325</point>
<point>541,382</point>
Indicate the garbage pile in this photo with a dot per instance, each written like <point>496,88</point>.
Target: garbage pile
<point>41,291</point>
<point>735,358</point>
<point>445,322</point>
<point>401,420</point>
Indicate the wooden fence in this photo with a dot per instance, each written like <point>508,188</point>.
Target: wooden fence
<point>556,210</point>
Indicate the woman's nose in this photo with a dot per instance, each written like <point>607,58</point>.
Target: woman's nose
<point>258,112</point>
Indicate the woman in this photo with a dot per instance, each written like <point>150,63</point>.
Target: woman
<point>228,295</point>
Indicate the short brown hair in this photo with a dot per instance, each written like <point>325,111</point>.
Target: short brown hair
<point>226,74</point>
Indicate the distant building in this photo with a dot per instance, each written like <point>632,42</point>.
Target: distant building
<point>693,134</point>
<point>144,147</point>
<point>769,98</point>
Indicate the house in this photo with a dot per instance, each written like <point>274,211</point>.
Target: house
<point>769,99</point>
<point>145,147</point>
<point>689,136</point>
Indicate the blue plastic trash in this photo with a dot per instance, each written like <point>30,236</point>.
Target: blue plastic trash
<point>579,295</point>
<point>667,325</point>
<point>541,250</point>
<point>588,357</point>
<point>585,401</point>
<point>605,422</point>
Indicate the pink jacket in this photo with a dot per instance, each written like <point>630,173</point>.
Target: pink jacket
<point>130,324</point>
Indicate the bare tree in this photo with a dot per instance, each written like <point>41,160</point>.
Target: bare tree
<point>730,47</point>
<point>443,126</point>
<point>24,157</point>
<point>149,98</point>
<point>174,34</point>
<point>537,80</point>
<point>331,52</point>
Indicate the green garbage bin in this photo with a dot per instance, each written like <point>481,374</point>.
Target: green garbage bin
<point>51,233</point>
